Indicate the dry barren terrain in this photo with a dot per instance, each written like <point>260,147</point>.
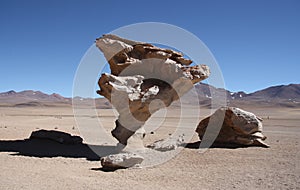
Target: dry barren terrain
<point>49,165</point>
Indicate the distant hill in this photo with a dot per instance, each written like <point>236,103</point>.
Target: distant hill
<point>282,95</point>
<point>287,92</point>
<point>32,98</point>
<point>284,92</point>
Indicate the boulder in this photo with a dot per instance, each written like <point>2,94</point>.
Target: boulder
<point>140,75</point>
<point>58,136</point>
<point>121,161</point>
<point>239,128</point>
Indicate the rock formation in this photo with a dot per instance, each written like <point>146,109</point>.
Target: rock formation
<point>143,79</point>
<point>239,128</point>
<point>58,136</point>
<point>121,161</point>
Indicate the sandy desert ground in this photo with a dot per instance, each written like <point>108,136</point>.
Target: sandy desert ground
<point>49,165</point>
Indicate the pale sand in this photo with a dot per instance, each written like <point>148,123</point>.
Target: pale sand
<point>244,168</point>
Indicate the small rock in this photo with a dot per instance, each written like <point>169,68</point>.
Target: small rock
<point>168,144</point>
<point>58,136</point>
<point>121,161</point>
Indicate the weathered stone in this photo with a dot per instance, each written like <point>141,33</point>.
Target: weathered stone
<point>121,161</point>
<point>140,74</point>
<point>168,144</point>
<point>58,136</point>
<point>239,128</point>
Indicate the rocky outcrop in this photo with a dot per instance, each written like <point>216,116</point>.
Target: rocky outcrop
<point>239,128</point>
<point>121,161</point>
<point>58,136</point>
<point>143,79</point>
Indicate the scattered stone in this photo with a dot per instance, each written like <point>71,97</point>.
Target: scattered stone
<point>121,161</point>
<point>239,128</point>
<point>140,75</point>
<point>168,144</point>
<point>58,136</point>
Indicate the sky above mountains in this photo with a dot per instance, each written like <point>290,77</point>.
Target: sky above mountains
<point>256,43</point>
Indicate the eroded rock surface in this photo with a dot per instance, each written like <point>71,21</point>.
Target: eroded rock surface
<point>239,128</point>
<point>140,74</point>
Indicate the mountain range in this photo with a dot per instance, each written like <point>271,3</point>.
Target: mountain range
<point>284,92</point>
<point>282,95</point>
<point>31,98</point>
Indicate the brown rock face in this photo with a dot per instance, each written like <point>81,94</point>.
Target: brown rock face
<point>239,128</point>
<point>143,79</point>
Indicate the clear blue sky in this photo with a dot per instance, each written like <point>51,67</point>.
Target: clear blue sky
<point>256,42</point>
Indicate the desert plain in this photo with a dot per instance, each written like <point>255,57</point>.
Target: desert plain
<point>44,164</point>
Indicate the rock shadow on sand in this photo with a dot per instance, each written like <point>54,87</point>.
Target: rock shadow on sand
<point>47,148</point>
<point>196,145</point>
